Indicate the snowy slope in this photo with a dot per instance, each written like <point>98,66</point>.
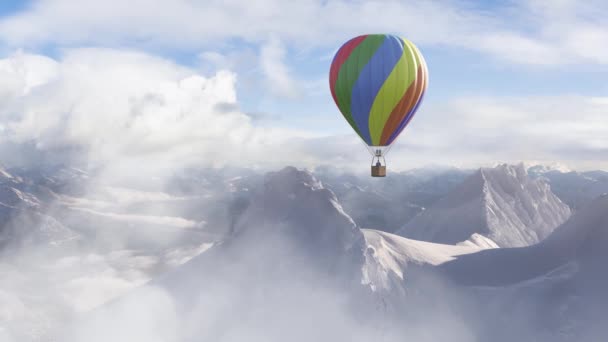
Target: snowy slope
<point>478,240</point>
<point>388,257</point>
<point>296,267</point>
<point>580,240</point>
<point>274,277</point>
<point>293,226</point>
<point>502,203</point>
<point>551,291</point>
<point>294,206</point>
<point>577,189</point>
<point>292,269</point>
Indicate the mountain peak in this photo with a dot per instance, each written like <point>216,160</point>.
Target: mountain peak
<point>500,203</point>
<point>517,171</point>
<point>290,179</point>
<point>293,205</point>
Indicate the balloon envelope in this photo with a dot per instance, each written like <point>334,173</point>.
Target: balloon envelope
<point>378,82</point>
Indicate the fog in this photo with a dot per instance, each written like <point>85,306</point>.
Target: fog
<point>284,264</point>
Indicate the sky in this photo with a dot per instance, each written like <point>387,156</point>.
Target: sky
<point>182,82</point>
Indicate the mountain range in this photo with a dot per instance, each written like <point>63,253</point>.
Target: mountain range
<point>225,255</point>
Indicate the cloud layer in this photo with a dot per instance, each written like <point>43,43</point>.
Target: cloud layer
<point>523,31</point>
<point>110,106</point>
<point>133,111</point>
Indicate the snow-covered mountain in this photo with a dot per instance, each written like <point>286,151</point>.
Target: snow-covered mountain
<point>375,209</point>
<point>554,290</point>
<point>389,256</point>
<point>502,204</point>
<point>294,207</point>
<point>577,189</point>
<point>285,260</point>
<point>279,274</point>
<point>291,223</point>
<point>24,221</point>
<point>387,204</point>
<point>580,239</point>
<point>296,266</point>
<point>69,243</point>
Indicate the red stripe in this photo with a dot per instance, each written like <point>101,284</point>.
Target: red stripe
<point>341,57</point>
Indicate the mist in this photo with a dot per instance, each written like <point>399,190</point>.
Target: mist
<point>259,257</point>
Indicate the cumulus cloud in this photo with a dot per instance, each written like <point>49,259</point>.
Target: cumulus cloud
<point>127,108</point>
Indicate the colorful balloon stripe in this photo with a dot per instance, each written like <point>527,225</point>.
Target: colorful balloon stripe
<point>401,109</point>
<point>349,72</point>
<point>410,113</point>
<point>392,92</point>
<point>372,76</point>
<point>339,60</point>
<point>377,82</point>
<point>341,57</point>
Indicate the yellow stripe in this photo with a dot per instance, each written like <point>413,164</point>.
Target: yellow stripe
<point>420,61</point>
<point>391,92</point>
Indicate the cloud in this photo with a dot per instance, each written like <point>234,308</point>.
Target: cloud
<point>569,129</point>
<point>148,314</point>
<point>133,114</point>
<point>523,32</point>
<point>117,104</point>
<point>276,72</point>
<point>129,111</point>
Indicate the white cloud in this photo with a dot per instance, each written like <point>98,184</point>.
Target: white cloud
<point>524,32</point>
<point>477,130</point>
<point>148,314</point>
<point>131,111</point>
<point>122,104</point>
<point>135,113</point>
<point>276,72</point>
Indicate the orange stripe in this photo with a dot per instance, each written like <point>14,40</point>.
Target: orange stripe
<point>404,106</point>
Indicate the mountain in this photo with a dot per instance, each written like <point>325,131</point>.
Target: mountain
<point>389,257</point>
<point>24,221</point>
<point>69,243</point>
<point>291,217</point>
<point>554,290</point>
<point>576,189</point>
<point>292,256</point>
<point>387,204</point>
<point>374,209</point>
<point>581,240</point>
<point>502,204</point>
<point>293,206</point>
<point>296,266</point>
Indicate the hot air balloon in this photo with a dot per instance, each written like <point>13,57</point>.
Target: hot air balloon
<point>378,82</point>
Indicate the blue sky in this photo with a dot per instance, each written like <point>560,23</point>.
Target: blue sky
<point>9,7</point>
<point>518,72</point>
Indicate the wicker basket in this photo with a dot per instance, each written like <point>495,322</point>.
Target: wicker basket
<point>379,171</point>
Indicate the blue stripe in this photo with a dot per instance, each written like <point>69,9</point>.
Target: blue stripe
<point>371,78</point>
<point>406,120</point>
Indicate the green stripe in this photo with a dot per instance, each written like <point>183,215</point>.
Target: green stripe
<point>349,72</point>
